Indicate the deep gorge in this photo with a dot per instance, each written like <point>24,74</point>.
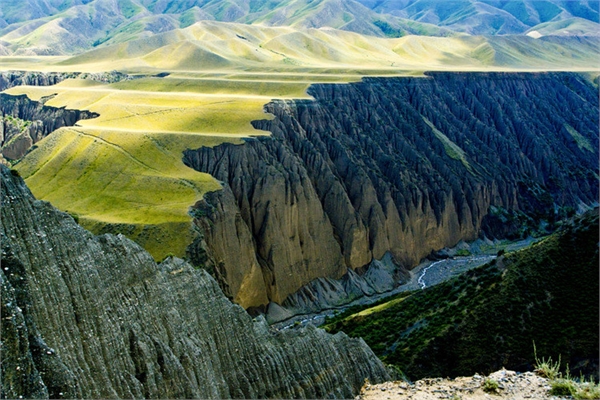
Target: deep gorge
<point>403,166</point>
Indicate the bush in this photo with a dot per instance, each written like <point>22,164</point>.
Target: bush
<point>587,390</point>
<point>74,216</point>
<point>463,252</point>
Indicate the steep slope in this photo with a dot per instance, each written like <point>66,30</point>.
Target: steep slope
<point>343,14</point>
<point>96,317</point>
<point>24,122</point>
<point>491,317</point>
<point>565,27</point>
<point>404,165</point>
<point>492,17</point>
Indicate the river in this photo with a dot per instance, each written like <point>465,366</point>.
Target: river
<point>428,273</point>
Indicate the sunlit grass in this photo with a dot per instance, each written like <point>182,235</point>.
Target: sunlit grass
<point>123,169</point>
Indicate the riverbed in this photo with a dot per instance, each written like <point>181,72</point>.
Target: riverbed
<point>428,273</point>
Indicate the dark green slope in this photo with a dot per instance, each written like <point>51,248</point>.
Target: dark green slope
<point>490,317</point>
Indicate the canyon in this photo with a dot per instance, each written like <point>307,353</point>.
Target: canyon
<point>88,316</point>
<point>189,188</point>
<point>397,166</point>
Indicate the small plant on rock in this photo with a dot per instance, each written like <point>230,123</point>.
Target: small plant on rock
<point>546,368</point>
<point>587,390</point>
<point>490,386</point>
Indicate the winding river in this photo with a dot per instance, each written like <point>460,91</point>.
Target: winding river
<point>428,273</point>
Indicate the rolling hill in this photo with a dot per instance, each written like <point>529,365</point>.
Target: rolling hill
<point>69,27</point>
<point>212,45</point>
<point>61,29</point>
<point>491,17</point>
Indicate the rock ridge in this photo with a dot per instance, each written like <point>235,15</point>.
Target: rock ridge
<point>404,166</point>
<point>10,79</point>
<point>95,317</point>
<point>24,122</point>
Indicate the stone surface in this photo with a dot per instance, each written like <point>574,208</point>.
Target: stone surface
<point>511,386</point>
<point>95,317</point>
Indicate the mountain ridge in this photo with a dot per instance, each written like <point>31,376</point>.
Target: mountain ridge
<point>95,317</point>
<point>55,28</point>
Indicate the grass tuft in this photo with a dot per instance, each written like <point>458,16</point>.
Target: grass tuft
<point>546,368</point>
<point>490,386</point>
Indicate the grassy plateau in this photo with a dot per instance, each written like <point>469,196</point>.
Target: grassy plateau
<point>123,171</point>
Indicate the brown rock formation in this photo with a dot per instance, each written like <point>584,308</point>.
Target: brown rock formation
<point>405,166</point>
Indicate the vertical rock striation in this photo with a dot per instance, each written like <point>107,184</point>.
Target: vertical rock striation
<point>402,165</point>
<point>95,317</point>
<point>10,79</point>
<point>24,122</point>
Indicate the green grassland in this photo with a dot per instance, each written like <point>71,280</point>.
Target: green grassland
<point>489,317</point>
<point>124,168</point>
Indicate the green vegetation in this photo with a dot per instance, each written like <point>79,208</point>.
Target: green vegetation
<point>486,318</point>
<point>129,8</point>
<point>388,30</point>
<point>450,147</point>
<point>490,386</point>
<point>581,141</point>
<point>577,388</point>
<point>546,368</point>
<point>463,252</point>
<point>124,168</point>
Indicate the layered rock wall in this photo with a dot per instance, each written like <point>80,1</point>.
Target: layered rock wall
<point>10,79</point>
<point>402,165</point>
<point>24,122</point>
<point>95,317</point>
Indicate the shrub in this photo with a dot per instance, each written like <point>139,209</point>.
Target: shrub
<point>74,216</point>
<point>169,255</point>
<point>463,252</point>
<point>587,390</point>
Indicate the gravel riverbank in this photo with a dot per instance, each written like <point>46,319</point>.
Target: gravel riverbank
<point>428,273</point>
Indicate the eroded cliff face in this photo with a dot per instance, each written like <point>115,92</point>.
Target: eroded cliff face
<point>95,317</point>
<point>10,79</point>
<point>403,165</point>
<point>24,122</point>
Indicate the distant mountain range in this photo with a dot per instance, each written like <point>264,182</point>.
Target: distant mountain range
<point>61,27</point>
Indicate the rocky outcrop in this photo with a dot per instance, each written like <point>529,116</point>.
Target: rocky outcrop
<point>510,385</point>
<point>24,122</point>
<point>88,316</point>
<point>403,165</point>
<point>10,79</point>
